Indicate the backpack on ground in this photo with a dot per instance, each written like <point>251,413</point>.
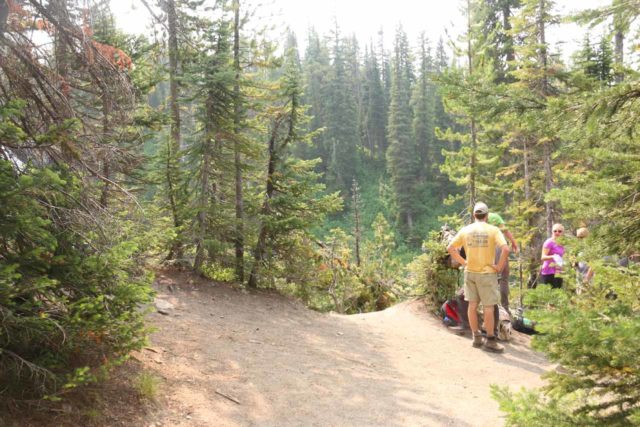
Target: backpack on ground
<point>522,324</point>
<point>449,313</point>
<point>504,325</point>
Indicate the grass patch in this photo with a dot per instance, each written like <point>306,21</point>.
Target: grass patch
<point>147,386</point>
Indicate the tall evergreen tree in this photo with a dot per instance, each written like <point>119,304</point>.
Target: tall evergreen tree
<point>316,66</point>
<point>214,92</point>
<point>341,135</point>
<point>237,122</point>
<point>402,155</point>
<point>174,144</point>
<point>604,61</point>
<point>442,121</point>
<point>423,103</point>
<point>374,107</point>
<point>292,202</point>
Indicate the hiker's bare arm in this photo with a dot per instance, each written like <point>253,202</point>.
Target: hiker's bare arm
<point>504,255</point>
<point>545,254</point>
<point>455,254</point>
<point>514,244</point>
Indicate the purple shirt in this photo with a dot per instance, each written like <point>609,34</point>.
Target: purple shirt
<point>548,266</point>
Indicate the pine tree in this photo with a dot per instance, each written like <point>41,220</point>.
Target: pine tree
<point>216,98</point>
<point>461,88</point>
<point>292,202</point>
<point>174,144</point>
<point>423,103</point>
<point>495,39</point>
<point>341,135</point>
<point>374,108</point>
<point>441,121</point>
<point>70,278</point>
<point>402,155</point>
<point>237,122</point>
<point>316,67</point>
<point>604,61</point>
<point>586,59</point>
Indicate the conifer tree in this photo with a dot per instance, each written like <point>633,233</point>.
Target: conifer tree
<point>237,121</point>
<point>604,61</point>
<point>402,155</point>
<point>441,121</point>
<point>586,59</point>
<point>374,107</point>
<point>462,165</point>
<point>174,144</point>
<point>70,278</point>
<point>316,67</point>
<point>341,135</point>
<point>216,115</point>
<point>292,202</point>
<point>423,103</point>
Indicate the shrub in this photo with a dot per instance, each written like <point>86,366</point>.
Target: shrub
<point>70,291</point>
<point>430,275</point>
<point>595,338</point>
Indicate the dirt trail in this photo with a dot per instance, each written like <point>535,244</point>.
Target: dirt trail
<point>285,365</point>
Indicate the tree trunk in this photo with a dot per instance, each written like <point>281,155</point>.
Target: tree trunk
<point>173,147</point>
<point>473,163</point>
<point>258,254</point>
<point>204,189</point>
<point>4,13</point>
<point>545,91</point>
<point>548,185</point>
<point>506,23</point>
<point>527,172</point>
<point>619,56</point>
<point>356,214</point>
<point>106,111</point>
<point>239,238</point>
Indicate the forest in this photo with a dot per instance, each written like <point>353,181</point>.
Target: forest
<point>217,145</point>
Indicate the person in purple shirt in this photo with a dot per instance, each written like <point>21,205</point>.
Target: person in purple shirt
<point>552,252</point>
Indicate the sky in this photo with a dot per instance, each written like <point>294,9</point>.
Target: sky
<point>365,18</point>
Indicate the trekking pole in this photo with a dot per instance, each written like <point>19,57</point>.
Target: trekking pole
<point>520,271</point>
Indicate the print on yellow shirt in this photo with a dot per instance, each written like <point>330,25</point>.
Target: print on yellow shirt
<point>480,241</point>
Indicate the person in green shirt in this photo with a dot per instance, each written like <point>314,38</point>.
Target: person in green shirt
<point>503,277</point>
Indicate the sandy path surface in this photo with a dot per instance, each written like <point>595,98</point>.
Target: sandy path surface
<point>232,358</point>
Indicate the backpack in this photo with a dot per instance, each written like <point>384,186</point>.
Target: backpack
<point>522,324</point>
<point>449,312</point>
<point>504,325</point>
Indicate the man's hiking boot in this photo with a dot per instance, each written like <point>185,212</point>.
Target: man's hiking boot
<point>477,340</point>
<point>491,344</point>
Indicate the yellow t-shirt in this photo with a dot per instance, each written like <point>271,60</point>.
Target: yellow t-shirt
<point>480,241</point>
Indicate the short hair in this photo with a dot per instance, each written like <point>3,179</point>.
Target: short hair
<point>480,215</point>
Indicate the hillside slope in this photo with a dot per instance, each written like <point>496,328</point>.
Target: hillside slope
<point>232,358</point>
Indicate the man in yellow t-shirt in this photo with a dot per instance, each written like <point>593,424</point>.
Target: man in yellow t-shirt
<point>480,241</point>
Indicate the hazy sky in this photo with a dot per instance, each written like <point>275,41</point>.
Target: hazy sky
<point>364,18</point>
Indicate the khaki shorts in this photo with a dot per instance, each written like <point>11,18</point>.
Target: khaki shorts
<point>481,287</point>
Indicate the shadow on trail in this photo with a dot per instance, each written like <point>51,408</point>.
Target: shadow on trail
<point>237,358</point>
<point>524,359</point>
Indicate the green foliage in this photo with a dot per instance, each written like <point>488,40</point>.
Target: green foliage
<point>381,270</point>
<point>218,273</point>
<point>147,386</point>
<point>402,154</point>
<point>69,297</point>
<point>595,340</point>
<point>429,274</point>
<point>70,292</point>
<point>531,408</point>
